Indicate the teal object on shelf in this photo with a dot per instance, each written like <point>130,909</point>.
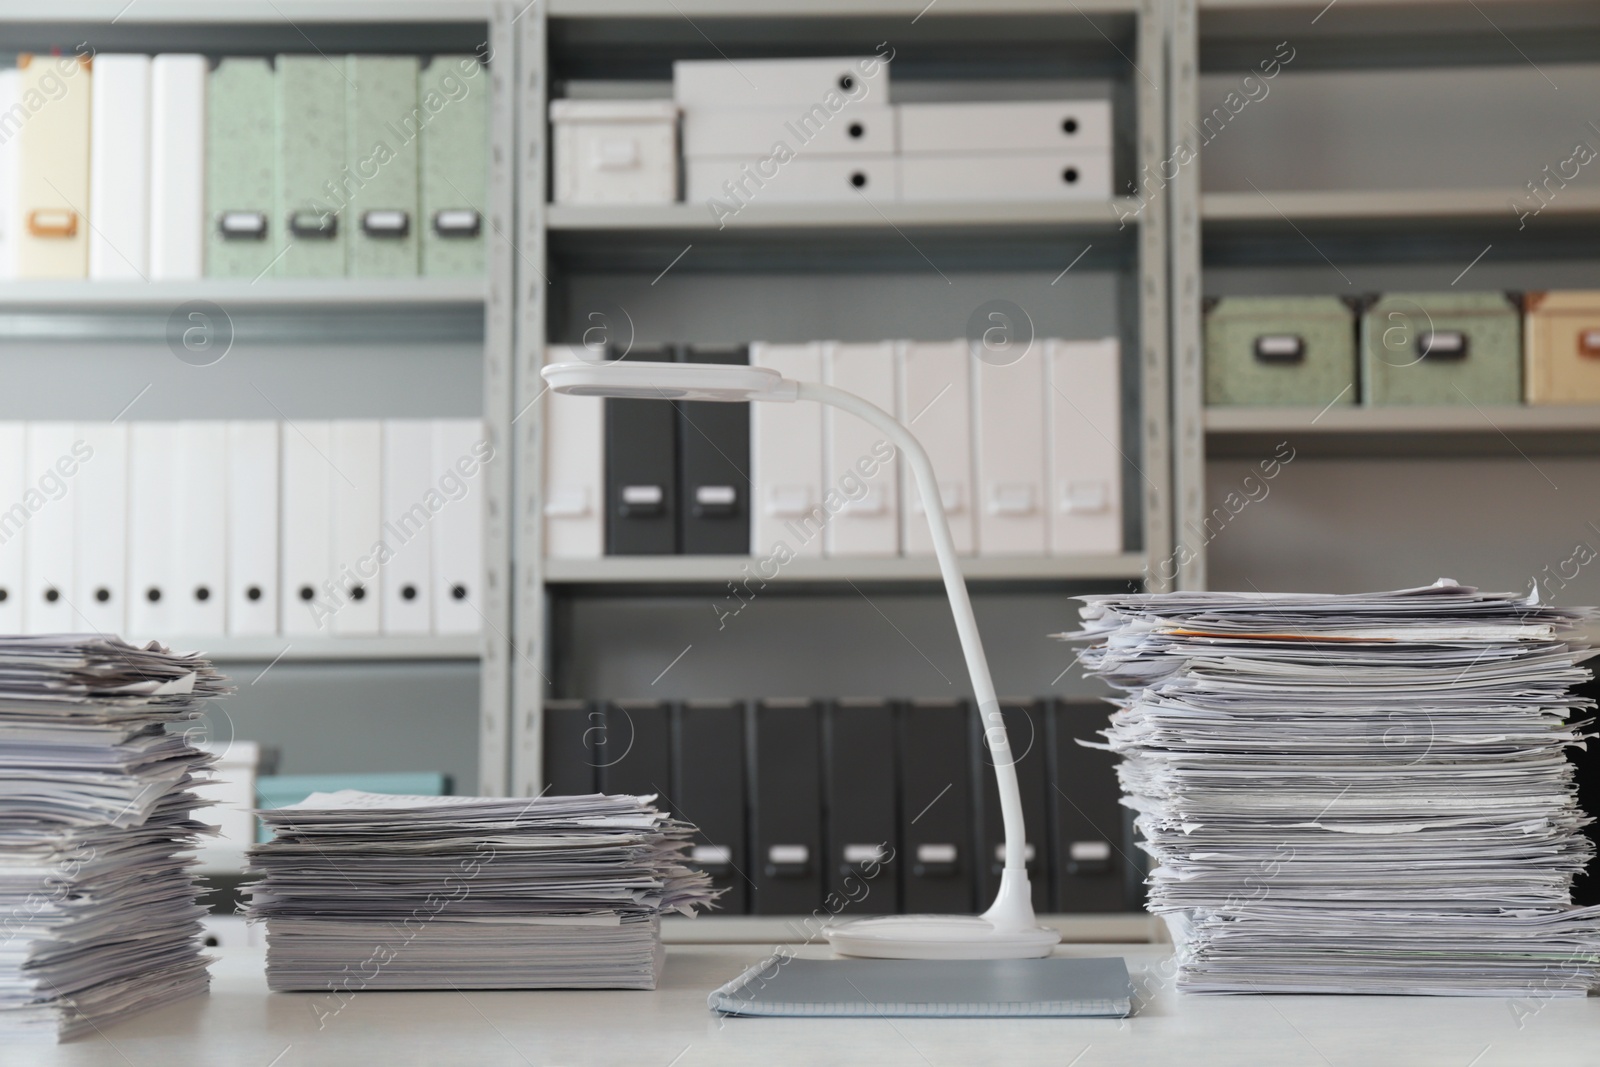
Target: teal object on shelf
<point>282,790</point>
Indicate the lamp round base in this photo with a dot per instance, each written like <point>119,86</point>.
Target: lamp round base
<point>938,937</point>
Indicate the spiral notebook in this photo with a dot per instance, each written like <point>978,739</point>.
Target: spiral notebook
<point>787,985</point>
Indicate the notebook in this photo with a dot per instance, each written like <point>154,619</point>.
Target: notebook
<point>786,985</point>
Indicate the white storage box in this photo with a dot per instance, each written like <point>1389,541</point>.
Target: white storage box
<point>751,133</point>
<point>814,178</point>
<point>1007,176</point>
<point>615,151</point>
<point>1047,126</point>
<point>755,83</point>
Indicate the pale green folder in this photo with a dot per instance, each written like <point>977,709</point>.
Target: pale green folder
<point>381,120</point>
<point>243,233</point>
<point>313,186</point>
<point>453,98</point>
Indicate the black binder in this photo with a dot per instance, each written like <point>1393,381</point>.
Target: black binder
<point>1025,728</point>
<point>1096,869</point>
<point>937,873</point>
<point>708,789</point>
<point>568,755</point>
<point>861,795</point>
<point>634,752</point>
<point>642,471</point>
<point>786,808</point>
<point>714,466</point>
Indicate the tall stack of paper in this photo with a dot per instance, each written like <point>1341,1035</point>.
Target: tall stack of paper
<point>1356,794</point>
<point>97,907</point>
<point>369,891</point>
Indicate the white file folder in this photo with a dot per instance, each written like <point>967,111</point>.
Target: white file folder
<point>805,179</point>
<point>457,542</point>
<point>1085,411</point>
<point>53,168</point>
<point>858,461</point>
<point>751,133</point>
<point>152,514</point>
<point>253,528</point>
<point>936,403</point>
<point>408,489</point>
<point>201,529</point>
<point>574,468</point>
<point>48,592</point>
<point>13,523</point>
<point>1009,406</point>
<point>119,168</point>
<point>831,84</point>
<point>1005,127</point>
<point>357,506</point>
<point>786,458</point>
<point>177,166</point>
<point>305,519</point>
<point>101,569</point>
<point>10,217</point>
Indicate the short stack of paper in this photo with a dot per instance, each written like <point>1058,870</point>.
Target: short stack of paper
<point>370,891</point>
<point>97,907</point>
<point>1356,794</point>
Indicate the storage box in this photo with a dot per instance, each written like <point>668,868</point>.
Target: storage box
<point>753,133</point>
<point>615,151</point>
<point>1561,347</point>
<point>757,83</point>
<point>1441,348</point>
<point>805,178</point>
<point>1033,126</point>
<point>1006,176</point>
<point>1280,350</point>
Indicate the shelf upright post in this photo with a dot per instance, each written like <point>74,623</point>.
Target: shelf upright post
<point>1155,402</point>
<point>533,293</point>
<point>495,679</point>
<point>1188,394</point>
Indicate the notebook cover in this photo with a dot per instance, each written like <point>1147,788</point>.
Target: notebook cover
<point>785,985</point>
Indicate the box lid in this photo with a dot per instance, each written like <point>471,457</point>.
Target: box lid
<point>1299,307</point>
<point>613,111</point>
<point>1575,301</point>
<point>1446,303</point>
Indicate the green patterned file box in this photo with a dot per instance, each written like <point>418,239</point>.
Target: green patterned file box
<point>312,182</point>
<point>453,92</point>
<point>243,232</point>
<point>1441,348</point>
<point>382,123</point>
<point>1280,350</point>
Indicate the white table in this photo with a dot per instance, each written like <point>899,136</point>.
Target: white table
<point>242,1025</point>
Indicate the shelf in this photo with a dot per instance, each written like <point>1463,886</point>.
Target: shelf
<point>244,11</point>
<point>1386,206</point>
<point>1492,430</point>
<point>825,8</point>
<point>84,295</point>
<point>331,649</point>
<point>1073,214</point>
<point>1113,927</point>
<point>661,570</point>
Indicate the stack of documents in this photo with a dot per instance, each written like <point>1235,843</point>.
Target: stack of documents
<point>1356,794</point>
<point>371,891</point>
<point>97,907</point>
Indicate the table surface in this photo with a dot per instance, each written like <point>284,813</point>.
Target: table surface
<point>242,1025</point>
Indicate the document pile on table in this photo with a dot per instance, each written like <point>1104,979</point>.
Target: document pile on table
<point>97,907</point>
<point>371,891</point>
<point>1356,794</point>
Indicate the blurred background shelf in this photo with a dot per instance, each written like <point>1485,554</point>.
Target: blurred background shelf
<point>644,570</point>
<point>332,649</point>
<point>822,218</point>
<point>269,292</point>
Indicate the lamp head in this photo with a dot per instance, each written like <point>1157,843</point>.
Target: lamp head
<point>670,381</point>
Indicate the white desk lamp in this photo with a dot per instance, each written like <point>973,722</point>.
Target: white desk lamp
<point>1007,930</point>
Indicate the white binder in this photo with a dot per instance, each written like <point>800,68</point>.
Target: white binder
<point>10,217</point>
<point>1085,411</point>
<point>357,506</point>
<point>201,532</point>
<point>574,468</point>
<point>857,458</point>
<point>936,403</point>
<point>1010,126</point>
<point>786,458</point>
<point>53,168</point>
<point>457,542</point>
<point>119,168</point>
<point>48,593</point>
<point>751,133</point>
<point>177,166</point>
<point>1009,405</point>
<point>804,179</point>
<point>1082,175</point>
<point>13,523</point>
<point>305,520</point>
<point>409,487</point>
<point>152,515</point>
<point>845,81</point>
<point>252,528</point>
<point>101,569</point>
